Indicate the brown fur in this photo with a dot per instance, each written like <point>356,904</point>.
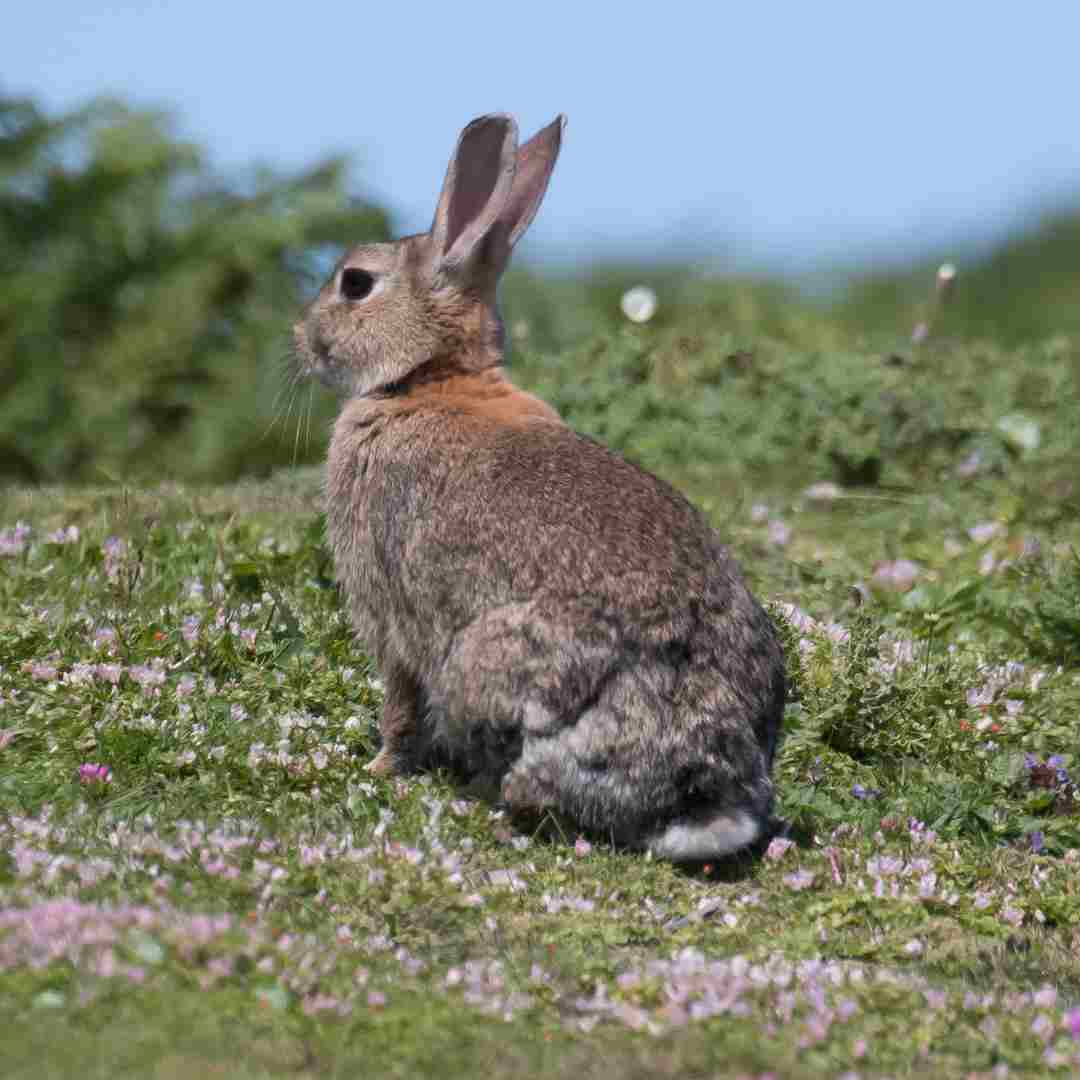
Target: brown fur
<point>552,623</point>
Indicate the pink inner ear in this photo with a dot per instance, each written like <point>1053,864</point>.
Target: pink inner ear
<point>477,168</point>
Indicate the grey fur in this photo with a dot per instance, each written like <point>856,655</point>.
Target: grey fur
<point>555,625</point>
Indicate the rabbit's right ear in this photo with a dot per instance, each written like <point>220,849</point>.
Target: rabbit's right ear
<point>478,183</point>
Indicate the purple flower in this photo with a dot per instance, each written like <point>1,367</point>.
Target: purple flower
<point>148,675</point>
<point>113,551</point>
<point>1037,841</point>
<point>70,535</point>
<point>799,880</point>
<point>41,670</point>
<point>93,774</point>
<point>778,848</point>
<point>110,673</point>
<point>1072,1022</point>
<point>985,531</point>
<point>1013,916</point>
<point>861,792</point>
<point>13,541</point>
<point>1057,763</point>
<point>779,533</point>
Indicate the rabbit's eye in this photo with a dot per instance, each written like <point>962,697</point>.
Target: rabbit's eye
<point>356,284</point>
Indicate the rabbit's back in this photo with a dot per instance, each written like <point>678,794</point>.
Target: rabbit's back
<point>457,514</point>
<point>556,601</point>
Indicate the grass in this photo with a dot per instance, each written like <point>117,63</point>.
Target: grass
<point>226,892</point>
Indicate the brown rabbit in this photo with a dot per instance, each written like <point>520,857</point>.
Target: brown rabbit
<point>552,623</point>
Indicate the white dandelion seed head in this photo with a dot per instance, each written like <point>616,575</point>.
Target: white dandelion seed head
<point>639,304</point>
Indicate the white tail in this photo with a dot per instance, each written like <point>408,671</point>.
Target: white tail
<point>694,841</point>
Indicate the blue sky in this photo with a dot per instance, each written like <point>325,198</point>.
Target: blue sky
<point>777,135</point>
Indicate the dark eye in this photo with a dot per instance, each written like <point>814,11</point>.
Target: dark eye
<point>356,284</point>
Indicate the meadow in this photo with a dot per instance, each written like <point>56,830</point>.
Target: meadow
<point>197,877</point>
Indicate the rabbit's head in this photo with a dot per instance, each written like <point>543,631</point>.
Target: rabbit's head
<point>427,302</point>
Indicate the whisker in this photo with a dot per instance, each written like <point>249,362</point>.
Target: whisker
<point>296,439</point>
<point>287,385</point>
<point>310,411</point>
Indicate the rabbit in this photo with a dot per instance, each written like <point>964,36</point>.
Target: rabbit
<point>555,626</point>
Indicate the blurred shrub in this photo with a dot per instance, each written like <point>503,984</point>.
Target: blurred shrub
<point>709,406</point>
<point>552,312</point>
<point>1027,289</point>
<point>144,303</point>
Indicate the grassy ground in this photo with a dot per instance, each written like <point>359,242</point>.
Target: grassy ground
<point>198,878</point>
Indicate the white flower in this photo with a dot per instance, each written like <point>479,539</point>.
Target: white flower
<point>985,531</point>
<point>639,304</point>
<point>823,491</point>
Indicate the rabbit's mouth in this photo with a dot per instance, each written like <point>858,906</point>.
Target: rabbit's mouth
<point>314,359</point>
<point>331,375</point>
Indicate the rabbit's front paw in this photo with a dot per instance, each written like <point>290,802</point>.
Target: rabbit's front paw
<point>382,764</point>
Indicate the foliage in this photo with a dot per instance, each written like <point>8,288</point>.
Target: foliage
<point>144,302</point>
<point>197,875</point>
<point>145,305</point>
<point>1024,289</point>
<point>699,398</point>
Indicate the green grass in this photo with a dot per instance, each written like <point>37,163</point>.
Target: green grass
<point>241,899</point>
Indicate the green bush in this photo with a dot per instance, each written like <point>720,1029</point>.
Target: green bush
<point>144,302</point>
<point>701,401</point>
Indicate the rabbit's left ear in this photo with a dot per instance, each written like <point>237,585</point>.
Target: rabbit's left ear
<point>474,195</point>
<point>535,162</point>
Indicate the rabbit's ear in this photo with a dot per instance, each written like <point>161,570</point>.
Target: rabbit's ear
<point>474,195</point>
<point>535,162</point>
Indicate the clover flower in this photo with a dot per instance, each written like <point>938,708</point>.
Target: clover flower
<point>95,775</point>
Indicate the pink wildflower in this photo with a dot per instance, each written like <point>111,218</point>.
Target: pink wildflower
<point>897,575</point>
<point>110,673</point>
<point>13,541</point>
<point>70,535</point>
<point>113,549</point>
<point>1072,1022</point>
<point>41,670</point>
<point>93,774</point>
<point>1013,916</point>
<point>778,848</point>
<point>779,533</point>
